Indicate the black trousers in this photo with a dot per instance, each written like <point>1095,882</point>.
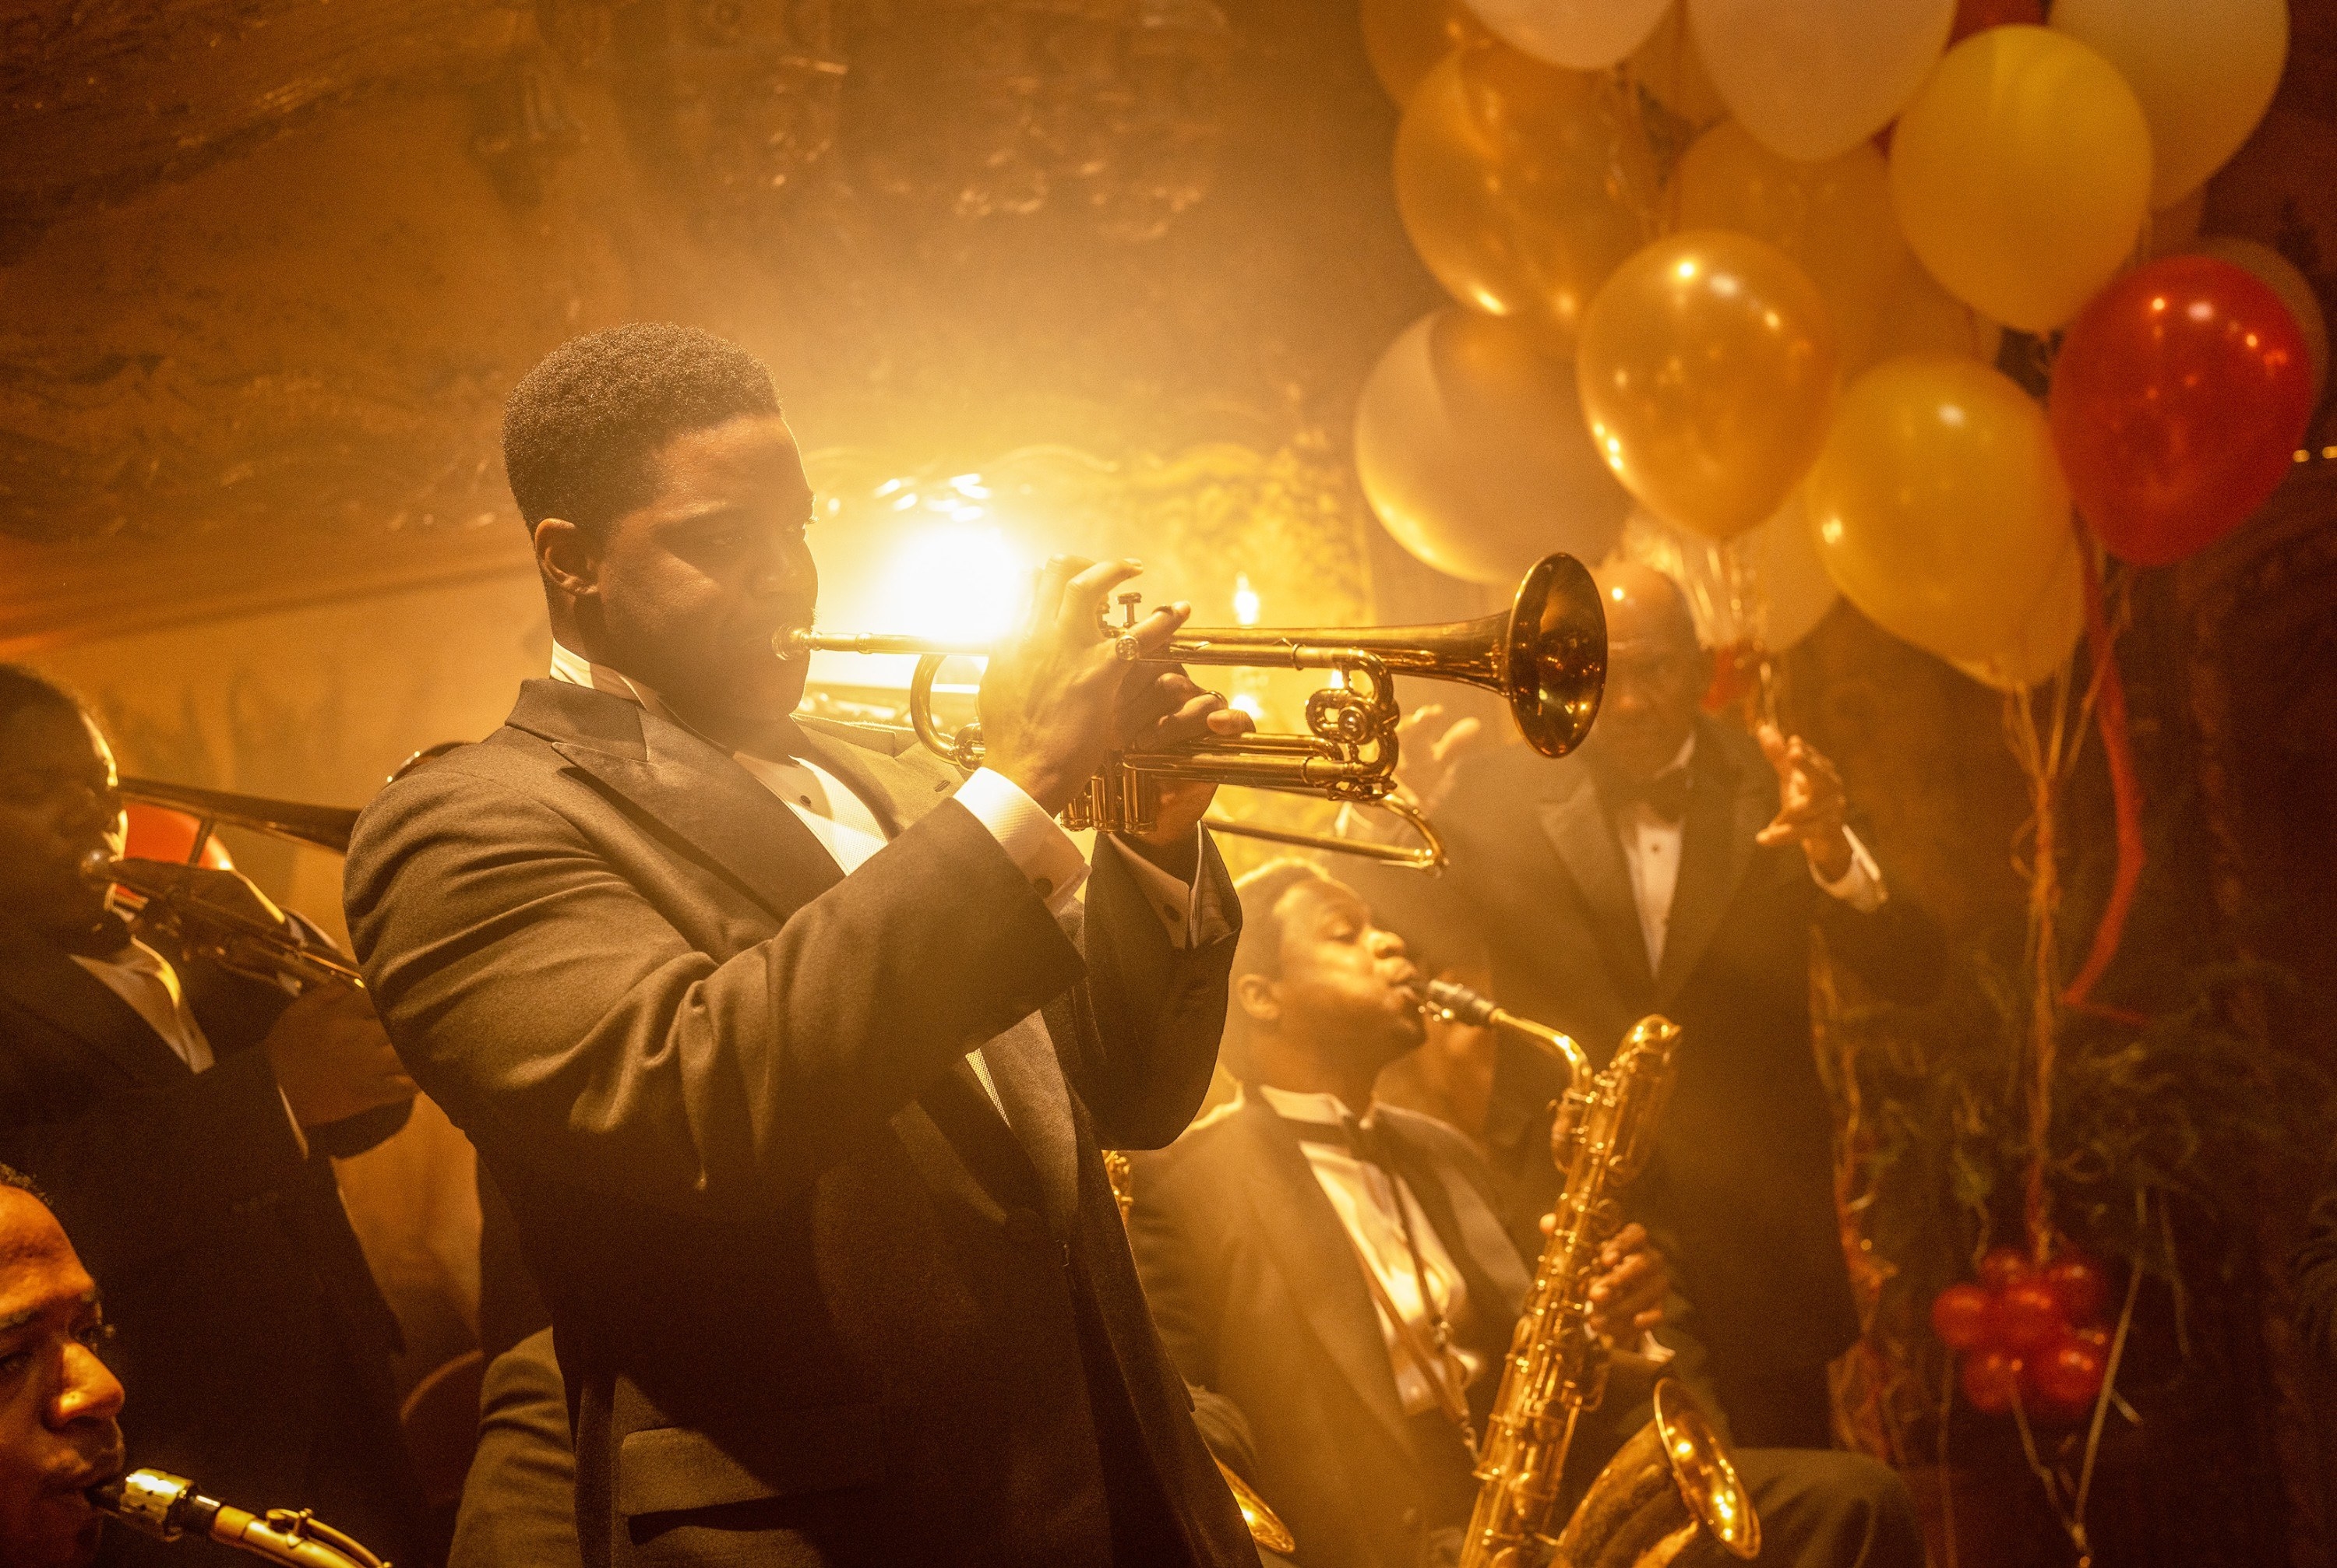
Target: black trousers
<point>1786,1409</point>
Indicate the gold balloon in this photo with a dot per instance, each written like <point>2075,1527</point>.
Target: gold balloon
<point>1523,185</point>
<point>1833,218</point>
<point>1938,506</point>
<point>2048,635</point>
<point>1708,370</point>
<point>1406,39</point>
<point>1470,446</point>
<point>2021,174</point>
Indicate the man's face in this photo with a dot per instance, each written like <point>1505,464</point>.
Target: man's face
<point>57,804</point>
<point>692,585</point>
<point>1345,985</point>
<point>58,1402</point>
<point>1654,689</point>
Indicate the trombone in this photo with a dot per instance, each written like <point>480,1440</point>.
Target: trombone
<point>221,914</point>
<point>1546,656</point>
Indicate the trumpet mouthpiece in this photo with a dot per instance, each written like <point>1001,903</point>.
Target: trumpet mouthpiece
<point>791,643</point>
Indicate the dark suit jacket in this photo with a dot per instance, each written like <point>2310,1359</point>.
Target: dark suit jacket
<point>252,1341</point>
<point>1742,1182</point>
<point>815,1303</point>
<point>1260,1298</point>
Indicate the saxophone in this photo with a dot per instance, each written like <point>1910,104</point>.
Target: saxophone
<point>1674,1480</point>
<point>168,1508</point>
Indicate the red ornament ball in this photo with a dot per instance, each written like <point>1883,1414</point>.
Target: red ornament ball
<point>1960,1315</point>
<point>2081,1284</point>
<point>2067,1375</point>
<point>2024,1317</point>
<point>2002,1266</point>
<point>1990,1379</point>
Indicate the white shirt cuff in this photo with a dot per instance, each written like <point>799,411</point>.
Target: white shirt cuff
<point>1169,899</point>
<point>1861,886</point>
<point>1029,834</point>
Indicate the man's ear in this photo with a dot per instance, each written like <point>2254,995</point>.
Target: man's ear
<point>1255,994</point>
<point>568,557</point>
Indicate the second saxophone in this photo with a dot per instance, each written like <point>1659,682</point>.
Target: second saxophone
<point>1674,1480</point>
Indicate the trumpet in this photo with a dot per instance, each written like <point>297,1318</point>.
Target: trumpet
<point>218,914</point>
<point>168,1508</point>
<point>1546,656</point>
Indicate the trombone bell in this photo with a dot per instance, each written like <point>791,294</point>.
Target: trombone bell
<point>1545,657</point>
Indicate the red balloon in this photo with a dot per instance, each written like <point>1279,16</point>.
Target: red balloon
<point>1990,1379</point>
<point>2002,1266</point>
<point>1959,1315</point>
<point>2080,1283</point>
<point>2065,1375</point>
<point>158,833</point>
<point>2178,399</point>
<point>2024,1317</point>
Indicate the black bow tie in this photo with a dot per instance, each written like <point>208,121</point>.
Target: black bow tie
<point>1666,794</point>
<point>103,937</point>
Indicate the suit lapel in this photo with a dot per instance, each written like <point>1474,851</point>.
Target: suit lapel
<point>44,980</point>
<point>689,792</point>
<point>1305,1238</point>
<point>1580,829</point>
<point>1030,1082</point>
<point>1725,810</point>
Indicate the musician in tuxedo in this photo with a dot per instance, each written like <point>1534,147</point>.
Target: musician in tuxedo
<point>1336,1269</point>
<point>1676,865</point>
<point>60,1404</point>
<point>790,1046</point>
<point>183,1119</point>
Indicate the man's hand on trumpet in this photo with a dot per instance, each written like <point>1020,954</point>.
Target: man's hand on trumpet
<point>1058,696</point>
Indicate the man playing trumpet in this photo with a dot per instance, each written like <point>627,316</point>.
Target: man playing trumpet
<point>788,1045</point>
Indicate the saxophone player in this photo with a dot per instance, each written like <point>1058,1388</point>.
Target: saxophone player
<point>1338,1270</point>
<point>59,1403</point>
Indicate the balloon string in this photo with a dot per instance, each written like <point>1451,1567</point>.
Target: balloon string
<point>2125,790</point>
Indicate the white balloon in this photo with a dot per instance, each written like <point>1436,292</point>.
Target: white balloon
<point>1811,79</point>
<point>1475,453</point>
<point>1581,34</point>
<point>2203,73</point>
<point>1766,587</point>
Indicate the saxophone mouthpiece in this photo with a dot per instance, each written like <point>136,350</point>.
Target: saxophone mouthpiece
<point>1457,1002</point>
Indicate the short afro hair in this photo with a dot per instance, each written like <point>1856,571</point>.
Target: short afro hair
<point>12,1177</point>
<point>21,688</point>
<point>581,430</point>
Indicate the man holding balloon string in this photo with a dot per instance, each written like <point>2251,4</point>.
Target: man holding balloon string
<point>1677,865</point>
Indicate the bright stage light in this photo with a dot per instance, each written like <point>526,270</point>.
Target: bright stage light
<point>956,578</point>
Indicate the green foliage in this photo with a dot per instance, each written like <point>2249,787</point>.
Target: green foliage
<point>2195,1115</point>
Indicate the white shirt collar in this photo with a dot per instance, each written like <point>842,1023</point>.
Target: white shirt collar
<point>1297,1105</point>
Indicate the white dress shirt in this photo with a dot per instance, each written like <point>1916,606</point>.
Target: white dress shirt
<point>852,833</point>
<point>1365,1198</point>
<point>1651,847</point>
<point>144,978</point>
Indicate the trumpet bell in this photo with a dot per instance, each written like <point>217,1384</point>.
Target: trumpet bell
<point>1554,655</point>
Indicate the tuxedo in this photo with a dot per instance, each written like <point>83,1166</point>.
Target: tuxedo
<point>252,1338</point>
<point>1741,1184</point>
<point>815,1299</point>
<point>1262,1299</point>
